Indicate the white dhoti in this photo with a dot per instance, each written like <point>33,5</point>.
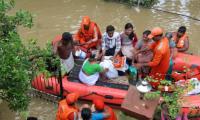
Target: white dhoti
<point>67,64</point>
<point>89,80</point>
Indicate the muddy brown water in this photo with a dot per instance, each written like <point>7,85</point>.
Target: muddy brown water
<point>53,17</point>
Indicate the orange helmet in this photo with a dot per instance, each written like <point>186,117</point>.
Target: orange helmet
<point>99,104</point>
<point>155,31</point>
<point>86,20</point>
<point>72,98</point>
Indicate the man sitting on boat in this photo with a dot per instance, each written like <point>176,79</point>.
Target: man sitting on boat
<point>63,46</point>
<point>161,56</point>
<point>145,56</point>
<point>88,36</point>
<point>181,39</point>
<point>67,109</point>
<point>111,43</point>
<point>89,74</point>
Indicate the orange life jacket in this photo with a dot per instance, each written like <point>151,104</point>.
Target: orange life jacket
<point>179,42</point>
<point>64,110</point>
<point>112,114</point>
<point>160,63</point>
<point>85,35</point>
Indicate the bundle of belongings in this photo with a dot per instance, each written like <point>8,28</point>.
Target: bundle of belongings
<point>114,64</point>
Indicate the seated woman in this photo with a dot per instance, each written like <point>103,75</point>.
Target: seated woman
<point>128,42</point>
<point>89,73</point>
<point>144,56</point>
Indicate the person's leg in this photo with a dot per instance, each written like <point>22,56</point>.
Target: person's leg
<point>110,52</point>
<point>168,76</point>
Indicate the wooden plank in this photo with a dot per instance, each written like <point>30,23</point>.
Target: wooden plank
<point>135,107</point>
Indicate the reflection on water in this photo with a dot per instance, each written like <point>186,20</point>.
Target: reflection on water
<point>52,17</point>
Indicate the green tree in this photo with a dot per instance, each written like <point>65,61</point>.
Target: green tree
<point>16,68</point>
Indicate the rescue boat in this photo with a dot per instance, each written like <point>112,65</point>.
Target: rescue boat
<point>112,92</point>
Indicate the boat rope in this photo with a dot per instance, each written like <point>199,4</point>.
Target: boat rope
<point>95,93</point>
<point>176,13</point>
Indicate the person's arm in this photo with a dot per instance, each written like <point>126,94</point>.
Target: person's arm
<point>185,47</point>
<point>156,59</point>
<point>100,116</point>
<point>103,45</point>
<point>95,35</point>
<point>118,45</point>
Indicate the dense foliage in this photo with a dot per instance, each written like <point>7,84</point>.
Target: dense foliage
<point>17,66</point>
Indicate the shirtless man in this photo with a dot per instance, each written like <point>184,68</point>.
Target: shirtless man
<point>64,48</point>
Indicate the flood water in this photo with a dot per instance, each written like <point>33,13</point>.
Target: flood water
<point>53,17</point>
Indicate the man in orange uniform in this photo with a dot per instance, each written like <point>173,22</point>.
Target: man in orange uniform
<point>100,107</point>
<point>181,39</point>
<point>89,35</point>
<point>67,109</point>
<point>161,56</point>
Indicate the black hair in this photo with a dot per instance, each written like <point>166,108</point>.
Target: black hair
<point>147,32</point>
<point>92,58</point>
<point>32,118</point>
<point>67,37</point>
<point>182,29</point>
<point>110,28</point>
<point>86,113</point>
<point>127,26</point>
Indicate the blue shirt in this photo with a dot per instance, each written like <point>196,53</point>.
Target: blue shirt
<point>97,116</point>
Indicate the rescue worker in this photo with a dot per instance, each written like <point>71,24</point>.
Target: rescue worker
<point>89,35</point>
<point>161,56</point>
<point>181,39</point>
<point>67,109</point>
<point>100,107</point>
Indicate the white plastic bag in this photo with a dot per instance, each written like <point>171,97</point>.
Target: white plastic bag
<point>80,54</point>
<point>112,72</point>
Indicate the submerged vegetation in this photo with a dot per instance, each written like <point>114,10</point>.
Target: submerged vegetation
<point>144,3</point>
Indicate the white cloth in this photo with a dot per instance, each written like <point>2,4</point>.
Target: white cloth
<point>195,82</point>
<point>80,54</point>
<point>112,72</point>
<point>89,80</point>
<point>67,64</point>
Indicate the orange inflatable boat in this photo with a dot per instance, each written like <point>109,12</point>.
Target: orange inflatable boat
<point>111,92</point>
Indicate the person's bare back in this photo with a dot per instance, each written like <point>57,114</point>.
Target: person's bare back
<point>64,51</point>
